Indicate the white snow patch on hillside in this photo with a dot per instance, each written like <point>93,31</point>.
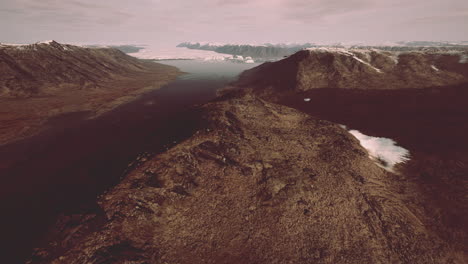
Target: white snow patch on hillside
<point>220,44</point>
<point>345,52</point>
<point>383,151</point>
<point>182,53</point>
<point>22,44</point>
<point>45,42</point>
<point>368,64</point>
<point>14,45</point>
<point>394,57</point>
<point>434,68</point>
<point>17,46</point>
<point>463,58</point>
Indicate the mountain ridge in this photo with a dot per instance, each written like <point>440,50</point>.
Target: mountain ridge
<point>27,69</point>
<point>43,80</point>
<point>270,51</point>
<point>316,68</point>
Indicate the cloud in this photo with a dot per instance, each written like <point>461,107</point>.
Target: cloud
<point>155,21</point>
<point>449,17</point>
<point>308,11</point>
<point>74,12</point>
<point>232,2</point>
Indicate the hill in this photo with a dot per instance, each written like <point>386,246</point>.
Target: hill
<point>257,183</point>
<point>358,69</point>
<point>44,80</point>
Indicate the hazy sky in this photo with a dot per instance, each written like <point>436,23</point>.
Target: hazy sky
<point>259,21</point>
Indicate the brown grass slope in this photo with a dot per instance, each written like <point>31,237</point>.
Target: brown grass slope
<point>33,69</point>
<point>415,109</point>
<point>43,80</point>
<point>357,69</point>
<point>258,183</point>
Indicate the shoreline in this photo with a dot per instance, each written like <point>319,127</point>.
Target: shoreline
<point>26,117</point>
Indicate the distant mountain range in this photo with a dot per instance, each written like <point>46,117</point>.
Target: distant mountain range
<point>124,48</point>
<point>258,52</point>
<point>268,51</point>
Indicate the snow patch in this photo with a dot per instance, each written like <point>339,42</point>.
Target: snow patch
<point>368,64</point>
<point>347,44</point>
<point>306,99</point>
<point>434,68</point>
<point>207,44</point>
<point>345,52</point>
<point>395,58</point>
<point>173,53</point>
<point>463,58</point>
<point>14,45</point>
<point>45,42</point>
<point>182,53</point>
<point>383,151</point>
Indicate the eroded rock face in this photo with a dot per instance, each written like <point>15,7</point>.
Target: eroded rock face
<point>261,183</point>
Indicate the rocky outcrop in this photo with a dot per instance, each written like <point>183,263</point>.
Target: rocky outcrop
<point>258,183</point>
<point>357,69</point>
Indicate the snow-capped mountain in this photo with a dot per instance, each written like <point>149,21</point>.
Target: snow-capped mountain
<point>182,53</point>
<point>256,51</point>
<point>269,51</point>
